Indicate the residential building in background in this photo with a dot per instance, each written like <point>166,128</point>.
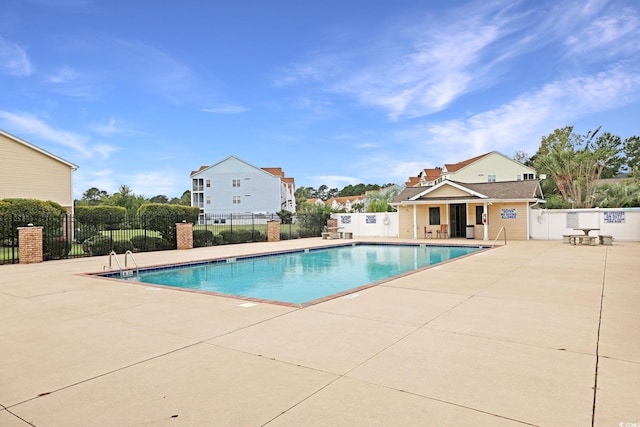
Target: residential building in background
<point>489,167</point>
<point>234,186</point>
<point>476,198</point>
<point>29,172</point>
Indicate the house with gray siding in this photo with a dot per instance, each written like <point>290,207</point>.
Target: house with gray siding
<point>234,186</point>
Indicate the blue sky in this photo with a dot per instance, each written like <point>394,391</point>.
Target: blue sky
<point>335,92</point>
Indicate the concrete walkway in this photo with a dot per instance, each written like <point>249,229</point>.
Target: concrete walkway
<point>517,335</point>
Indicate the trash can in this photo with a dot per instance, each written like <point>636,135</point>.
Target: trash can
<point>471,231</point>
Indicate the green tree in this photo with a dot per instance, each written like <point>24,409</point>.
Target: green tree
<point>321,193</point>
<point>160,198</point>
<point>632,153</point>
<point>521,156</point>
<point>379,200</point>
<point>312,219</point>
<point>618,195</point>
<point>127,199</point>
<point>576,162</point>
<point>94,196</point>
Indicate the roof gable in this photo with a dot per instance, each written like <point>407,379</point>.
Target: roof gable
<point>232,164</point>
<point>446,189</point>
<point>38,149</point>
<point>466,163</point>
<point>454,167</point>
<point>508,190</point>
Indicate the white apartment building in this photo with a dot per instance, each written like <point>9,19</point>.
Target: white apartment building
<point>234,186</point>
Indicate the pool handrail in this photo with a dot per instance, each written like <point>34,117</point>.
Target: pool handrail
<point>113,255</point>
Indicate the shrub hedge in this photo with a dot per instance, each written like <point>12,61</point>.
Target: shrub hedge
<point>23,212</point>
<point>202,238</point>
<point>163,217</point>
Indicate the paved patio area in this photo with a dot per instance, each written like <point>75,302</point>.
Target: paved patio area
<point>518,335</point>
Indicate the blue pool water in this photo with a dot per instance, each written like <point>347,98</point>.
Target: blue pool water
<point>302,276</point>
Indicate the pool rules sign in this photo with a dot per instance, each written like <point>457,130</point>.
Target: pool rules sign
<point>508,213</point>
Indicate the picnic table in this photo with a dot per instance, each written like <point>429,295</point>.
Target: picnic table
<point>332,233</point>
<point>584,238</point>
<point>586,230</point>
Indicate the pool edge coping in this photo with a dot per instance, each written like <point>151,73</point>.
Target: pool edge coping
<point>103,274</point>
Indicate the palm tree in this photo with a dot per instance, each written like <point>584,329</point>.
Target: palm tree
<point>618,195</point>
<point>378,200</point>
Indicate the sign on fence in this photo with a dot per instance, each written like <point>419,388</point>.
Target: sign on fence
<point>370,219</point>
<point>572,219</point>
<point>614,217</point>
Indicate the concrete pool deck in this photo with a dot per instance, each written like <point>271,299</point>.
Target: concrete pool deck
<point>517,335</point>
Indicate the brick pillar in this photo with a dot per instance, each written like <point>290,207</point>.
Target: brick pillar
<point>332,222</point>
<point>30,249</point>
<point>184,235</point>
<point>273,231</point>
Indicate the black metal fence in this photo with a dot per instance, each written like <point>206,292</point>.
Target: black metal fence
<point>66,237</point>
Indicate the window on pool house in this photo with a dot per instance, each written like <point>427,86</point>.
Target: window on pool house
<point>236,182</point>
<point>491,178</point>
<point>236,200</point>
<point>479,211</point>
<point>434,216</point>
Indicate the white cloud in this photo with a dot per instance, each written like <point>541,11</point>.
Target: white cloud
<point>146,183</point>
<point>226,109</point>
<point>64,75</point>
<point>152,183</point>
<point>520,123</point>
<point>104,150</point>
<point>31,125</point>
<point>13,59</point>
<point>335,181</point>
<point>69,82</point>
<point>419,68</point>
<point>515,125</point>
<point>112,127</point>
<point>102,179</point>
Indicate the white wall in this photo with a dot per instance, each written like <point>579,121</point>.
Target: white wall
<point>382,224</point>
<point>545,224</point>
<point>551,224</point>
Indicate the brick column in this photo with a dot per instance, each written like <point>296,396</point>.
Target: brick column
<point>273,231</point>
<point>30,248</point>
<point>184,235</point>
<point>332,222</point>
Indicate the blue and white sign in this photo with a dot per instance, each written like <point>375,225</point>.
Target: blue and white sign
<point>345,220</point>
<point>370,219</point>
<point>509,213</point>
<point>614,217</point>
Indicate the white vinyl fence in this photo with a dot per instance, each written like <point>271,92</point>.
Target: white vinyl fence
<point>381,224</point>
<point>552,224</point>
<point>544,224</point>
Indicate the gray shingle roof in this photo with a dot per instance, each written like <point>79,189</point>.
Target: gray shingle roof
<point>510,190</point>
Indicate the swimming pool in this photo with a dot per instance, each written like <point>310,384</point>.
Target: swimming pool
<point>300,277</point>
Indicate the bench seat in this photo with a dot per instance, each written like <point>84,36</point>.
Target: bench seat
<point>606,240</point>
<point>582,239</point>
